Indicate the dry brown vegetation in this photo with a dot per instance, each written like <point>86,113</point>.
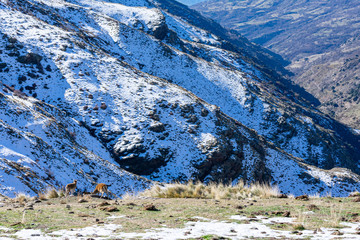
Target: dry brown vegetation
<point>22,198</point>
<point>212,191</point>
<point>51,193</point>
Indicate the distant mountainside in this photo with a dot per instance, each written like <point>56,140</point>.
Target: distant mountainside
<point>190,2</point>
<point>128,92</point>
<point>320,38</point>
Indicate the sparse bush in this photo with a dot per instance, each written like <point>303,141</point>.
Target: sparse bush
<point>299,227</point>
<point>212,191</point>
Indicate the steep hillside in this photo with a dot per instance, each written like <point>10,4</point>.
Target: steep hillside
<point>320,38</point>
<point>162,98</point>
<point>41,147</point>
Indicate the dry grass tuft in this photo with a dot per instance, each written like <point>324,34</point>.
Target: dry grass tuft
<point>42,196</point>
<point>212,191</point>
<point>22,198</point>
<point>129,196</point>
<point>298,227</point>
<point>354,194</point>
<point>51,193</point>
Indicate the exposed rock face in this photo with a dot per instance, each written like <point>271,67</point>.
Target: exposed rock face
<point>30,58</point>
<point>179,105</point>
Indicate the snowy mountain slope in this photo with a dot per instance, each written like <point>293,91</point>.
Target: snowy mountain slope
<point>41,147</point>
<point>96,62</point>
<point>230,90</point>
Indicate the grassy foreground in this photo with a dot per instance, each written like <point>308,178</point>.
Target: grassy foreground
<point>137,214</point>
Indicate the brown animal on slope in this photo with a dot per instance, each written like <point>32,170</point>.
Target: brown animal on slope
<point>70,188</point>
<point>101,188</point>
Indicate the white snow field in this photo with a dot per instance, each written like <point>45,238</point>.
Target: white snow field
<point>258,227</point>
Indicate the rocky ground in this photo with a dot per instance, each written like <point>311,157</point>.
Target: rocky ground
<point>88,217</point>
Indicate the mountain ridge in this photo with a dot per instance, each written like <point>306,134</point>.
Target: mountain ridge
<point>121,74</point>
<point>319,38</point>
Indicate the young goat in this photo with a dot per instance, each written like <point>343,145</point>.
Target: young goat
<point>70,188</point>
<point>101,188</point>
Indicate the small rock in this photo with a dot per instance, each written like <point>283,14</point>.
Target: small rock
<point>286,214</point>
<point>312,207</point>
<point>12,40</point>
<point>3,65</point>
<point>109,209</point>
<point>150,207</point>
<point>303,198</point>
<point>104,203</point>
<point>282,196</point>
<point>83,215</point>
<point>337,232</point>
<point>204,112</point>
<point>15,224</point>
<point>30,58</point>
<point>157,127</point>
<point>103,106</point>
<point>81,200</point>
